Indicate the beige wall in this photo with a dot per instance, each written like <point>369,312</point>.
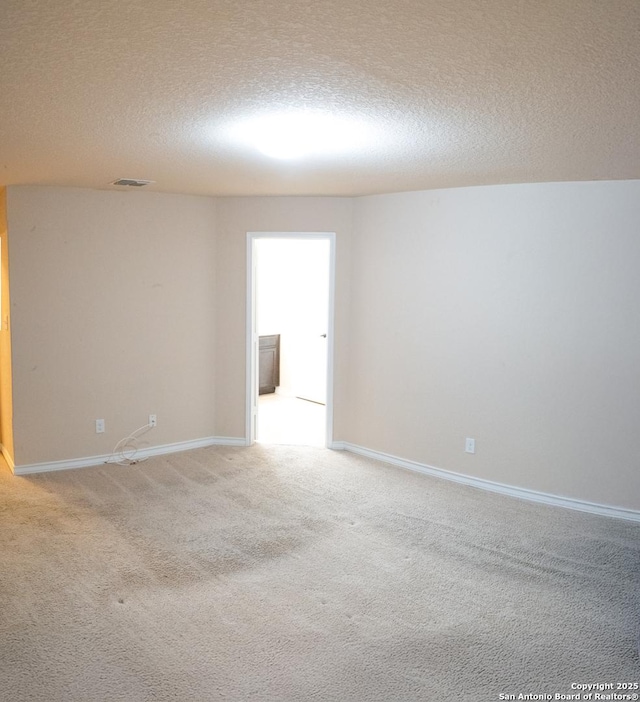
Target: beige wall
<point>6,393</point>
<point>507,313</point>
<point>510,314</point>
<point>114,308</point>
<point>236,217</point>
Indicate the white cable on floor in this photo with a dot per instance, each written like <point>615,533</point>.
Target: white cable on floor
<point>126,449</point>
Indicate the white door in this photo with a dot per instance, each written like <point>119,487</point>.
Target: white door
<point>312,381</point>
<point>290,293</point>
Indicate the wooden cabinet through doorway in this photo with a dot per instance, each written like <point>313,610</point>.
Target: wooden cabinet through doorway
<point>269,365</point>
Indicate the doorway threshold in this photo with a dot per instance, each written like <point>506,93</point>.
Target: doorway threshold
<point>291,420</point>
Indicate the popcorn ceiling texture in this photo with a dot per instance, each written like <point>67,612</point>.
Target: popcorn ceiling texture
<point>281,573</point>
<point>466,92</point>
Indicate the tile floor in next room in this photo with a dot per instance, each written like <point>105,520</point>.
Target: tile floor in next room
<point>290,420</point>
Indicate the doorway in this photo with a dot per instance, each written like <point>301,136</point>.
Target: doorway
<point>290,337</point>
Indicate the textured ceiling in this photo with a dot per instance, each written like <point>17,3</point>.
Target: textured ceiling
<point>460,92</point>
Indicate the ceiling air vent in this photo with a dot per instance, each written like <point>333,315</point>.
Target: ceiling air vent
<point>132,182</point>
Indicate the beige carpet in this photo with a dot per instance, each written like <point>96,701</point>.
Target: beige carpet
<point>289,573</point>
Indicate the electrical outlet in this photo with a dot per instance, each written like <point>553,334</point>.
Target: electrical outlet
<point>470,445</point>
<point>99,426</point>
<point>153,420</point>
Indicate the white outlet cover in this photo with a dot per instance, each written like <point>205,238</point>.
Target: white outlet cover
<point>470,445</point>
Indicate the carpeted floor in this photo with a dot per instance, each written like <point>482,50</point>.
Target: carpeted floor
<point>291,573</point>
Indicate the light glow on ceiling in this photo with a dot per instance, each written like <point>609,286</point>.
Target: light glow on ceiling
<point>298,135</point>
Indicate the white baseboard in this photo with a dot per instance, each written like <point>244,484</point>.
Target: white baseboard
<point>141,453</point>
<point>8,458</point>
<point>521,493</point>
<point>491,486</point>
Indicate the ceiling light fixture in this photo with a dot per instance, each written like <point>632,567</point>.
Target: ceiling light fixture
<point>296,135</point>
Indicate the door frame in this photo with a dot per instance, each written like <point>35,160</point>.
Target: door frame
<point>252,340</point>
